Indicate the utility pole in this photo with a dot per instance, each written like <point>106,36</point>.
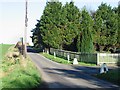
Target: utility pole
<point>25,32</point>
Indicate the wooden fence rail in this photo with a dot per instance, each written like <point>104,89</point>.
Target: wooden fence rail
<point>94,58</point>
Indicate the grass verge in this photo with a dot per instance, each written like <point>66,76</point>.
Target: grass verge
<point>3,49</point>
<point>86,64</point>
<point>18,73</point>
<point>112,76</point>
<point>64,61</point>
<point>57,59</point>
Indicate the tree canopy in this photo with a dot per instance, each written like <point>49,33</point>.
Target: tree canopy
<point>49,24</point>
<point>67,27</point>
<point>106,27</point>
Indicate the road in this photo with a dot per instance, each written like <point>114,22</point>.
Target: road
<point>65,76</point>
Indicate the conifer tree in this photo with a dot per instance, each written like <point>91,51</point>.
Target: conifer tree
<point>36,36</point>
<point>72,21</point>
<point>118,40</point>
<point>50,22</point>
<point>105,27</point>
<point>85,41</point>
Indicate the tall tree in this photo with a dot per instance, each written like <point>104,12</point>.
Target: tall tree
<point>50,22</point>
<point>85,40</point>
<point>118,24</point>
<point>71,25</point>
<point>36,37</point>
<point>105,27</point>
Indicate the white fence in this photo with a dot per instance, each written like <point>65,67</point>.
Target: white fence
<point>95,58</point>
<point>108,58</point>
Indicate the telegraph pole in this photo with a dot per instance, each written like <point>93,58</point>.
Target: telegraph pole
<point>25,32</point>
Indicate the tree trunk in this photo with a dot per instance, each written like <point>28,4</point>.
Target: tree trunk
<point>101,48</point>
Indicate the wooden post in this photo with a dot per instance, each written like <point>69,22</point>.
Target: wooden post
<point>22,51</point>
<point>25,32</point>
<point>54,54</point>
<point>98,55</point>
<point>68,57</point>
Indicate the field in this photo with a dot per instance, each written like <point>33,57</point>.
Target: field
<point>3,49</point>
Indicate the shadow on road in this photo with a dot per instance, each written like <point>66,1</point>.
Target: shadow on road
<point>45,86</point>
<point>80,75</point>
<point>92,70</point>
<point>88,70</point>
<point>33,50</point>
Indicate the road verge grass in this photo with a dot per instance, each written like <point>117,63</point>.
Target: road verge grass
<point>18,72</point>
<point>112,76</point>
<point>64,61</point>
<point>56,59</point>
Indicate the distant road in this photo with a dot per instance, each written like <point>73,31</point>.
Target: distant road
<point>64,76</point>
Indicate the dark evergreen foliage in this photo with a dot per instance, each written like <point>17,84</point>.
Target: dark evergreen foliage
<point>85,41</point>
<point>66,27</point>
<point>106,27</point>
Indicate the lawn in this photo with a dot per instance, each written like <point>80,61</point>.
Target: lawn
<point>64,61</point>
<point>18,72</point>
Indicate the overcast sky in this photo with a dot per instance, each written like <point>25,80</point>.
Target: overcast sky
<point>12,16</point>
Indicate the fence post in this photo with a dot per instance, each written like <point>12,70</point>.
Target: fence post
<point>47,51</point>
<point>98,55</point>
<point>68,57</point>
<point>54,54</point>
<point>43,51</point>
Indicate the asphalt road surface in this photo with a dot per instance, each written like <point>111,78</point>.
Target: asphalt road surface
<point>65,76</point>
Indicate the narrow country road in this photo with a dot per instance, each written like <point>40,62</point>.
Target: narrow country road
<point>64,76</point>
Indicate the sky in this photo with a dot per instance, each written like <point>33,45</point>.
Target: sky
<point>12,16</point>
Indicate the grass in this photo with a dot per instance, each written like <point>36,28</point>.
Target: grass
<point>112,76</point>
<point>3,49</point>
<point>86,64</point>
<point>64,61</point>
<point>19,73</point>
<point>57,59</point>
<point>21,77</point>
